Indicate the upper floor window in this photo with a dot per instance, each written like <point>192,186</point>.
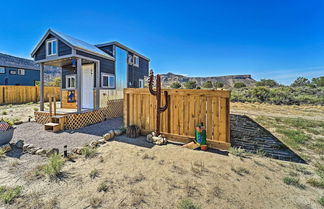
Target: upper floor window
<point>21,72</point>
<point>12,72</point>
<point>107,80</point>
<point>70,81</point>
<point>2,70</point>
<point>141,83</point>
<point>136,61</point>
<point>51,47</point>
<point>130,59</point>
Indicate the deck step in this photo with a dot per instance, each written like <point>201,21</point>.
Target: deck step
<point>55,127</point>
<point>52,124</point>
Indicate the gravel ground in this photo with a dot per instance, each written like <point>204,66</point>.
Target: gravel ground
<point>34,133</point>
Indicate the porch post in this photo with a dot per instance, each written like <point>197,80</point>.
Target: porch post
<point>79,85</point>
<point>97,85</point>
<point>41,96</point>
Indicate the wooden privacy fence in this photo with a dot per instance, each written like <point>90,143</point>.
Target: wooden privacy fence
<point>187,109</point>
<point>25,94</point>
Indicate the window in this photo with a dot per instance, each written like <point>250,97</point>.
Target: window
<point>140,83</point>
<point>136,61</point>
<point>2,70</point>
<point>21,72</point>
<point>51,47</point>
<point>70,82</point>
<point>130,59</point>
<point>12,72</point>
<point>107,80</point>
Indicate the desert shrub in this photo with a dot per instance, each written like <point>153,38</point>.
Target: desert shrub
<point>237,151</point>
<point>8,194</point>
<point>54,166</point>
<point>293,181</point>
<point>218,84</point>
<point>2,153</point>
<point>190,85</point>
<point>95,202</point>
<point>239,85</point>
<point>176,85</point>
<point>103,187</point>
<point>240,171</point>
<point>295,136</point>
<point>300,81</point>
<point>187,204</point>
<point>36,109</point>
<point>4,113</point>
<point>321,200</point>
<point>94,173</point>
<point>316,183</point>
<point>267,83</point>
<point>207,85</point>
<point>319,82</point>
<point>88,152</point>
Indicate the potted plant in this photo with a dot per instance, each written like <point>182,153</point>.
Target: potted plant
<point>6,131</point>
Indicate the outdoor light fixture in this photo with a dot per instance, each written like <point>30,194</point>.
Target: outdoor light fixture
<point>74,62</point>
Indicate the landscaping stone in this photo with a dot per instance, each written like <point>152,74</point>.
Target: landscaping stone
<point>25,146</point>
<point>107,136</point>
<point>112,133</point>
<point>20,144</point>
<point>118,132</point>
<point>158,140</point>
<point>94,144</point>
<point>102,141</point>
<point>77,150</point>
<point>52,152</point>
<point>40,152</point>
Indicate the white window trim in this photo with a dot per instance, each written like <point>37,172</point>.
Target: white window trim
<point>130,59</point>
<point>107,75</point>
<point>4,70</point>
<point>66,81</point>
<point>50,41</point>
<point>139,82</point>
<point>135,57</point>
<point>21,71</point>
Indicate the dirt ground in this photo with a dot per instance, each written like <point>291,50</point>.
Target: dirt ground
<point>139,176</point>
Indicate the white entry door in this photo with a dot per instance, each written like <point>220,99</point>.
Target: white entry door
<point>87,86</point>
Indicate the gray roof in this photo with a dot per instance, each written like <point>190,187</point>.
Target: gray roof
<point>17,62</point>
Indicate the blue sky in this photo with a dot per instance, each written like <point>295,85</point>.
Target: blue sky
<point>278,39</point>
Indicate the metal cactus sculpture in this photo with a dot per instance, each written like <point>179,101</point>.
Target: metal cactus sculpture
<point>157,93</point>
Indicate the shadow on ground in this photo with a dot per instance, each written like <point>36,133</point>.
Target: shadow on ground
<point>249,135</point>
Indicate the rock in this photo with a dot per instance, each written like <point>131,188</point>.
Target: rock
<point>112,133</point>
<point>149,138</point>
<point>107,136</point>
<point>94,144</point>
<point>118,132</point>
<point>52,152</point>
<point>31,146</point>
<point>19,144</point>
<point>25,146</point>
<point>102,141</point>
<point>40,152</point>
<point>77,150</point>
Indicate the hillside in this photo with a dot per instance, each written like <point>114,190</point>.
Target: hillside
<point>228,81</point>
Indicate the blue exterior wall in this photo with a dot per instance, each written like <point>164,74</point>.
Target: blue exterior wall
<point>23,80</point>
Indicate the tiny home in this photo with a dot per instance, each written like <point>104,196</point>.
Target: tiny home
<point>91,74</point>
<point>18,71</point>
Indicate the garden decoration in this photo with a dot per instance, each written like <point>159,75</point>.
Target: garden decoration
<point>200,138</point>
<point>157,94</point>
<point>6,131</point>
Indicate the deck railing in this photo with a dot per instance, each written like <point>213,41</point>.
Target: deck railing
<point>187,109</point>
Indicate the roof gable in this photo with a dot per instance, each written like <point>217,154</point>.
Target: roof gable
<point>73,43</point>
<point>17,62</point>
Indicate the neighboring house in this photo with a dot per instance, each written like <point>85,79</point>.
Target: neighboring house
<point>18,71</point>
<point>91,74</point>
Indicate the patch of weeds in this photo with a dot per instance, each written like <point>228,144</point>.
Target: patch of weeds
<point>94,173</point>
<point>89,152</point>
<point>301,169</point>
<point>187,204</point>
<point>316,183</point>
<point>294,174</point>
<point>10,105</point>
<point>8,194</point>
<point>267,177</point>
<point>36,109</point>
<point>54,166</point>
<point>240,171</point>
<point>4,113</point>
<point>146,156</point>
<point>103,187</point>
<point>261,153</point>
<point>293,137</point>
<point>320,169</point>
<point>101,159</point>
<point>138,197</point>
<point>178,169</point>
<point>2,153</point>
<point>138,178</point>
<point>198,168</point>
<point>95,202</point>
<point>15,163</point>
<point>321,200</point>
<point>237,151</point>
<point>294,182</point>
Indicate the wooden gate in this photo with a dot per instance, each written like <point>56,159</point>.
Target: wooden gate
<point>187,109</point>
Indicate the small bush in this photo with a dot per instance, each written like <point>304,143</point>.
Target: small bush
<point>88,152</point>
<point>239,85</point>
<point>36,109</point>
<point>237,151</point>
<point>103,187</point>
<point>8,194</point>
<point>316,183</point>
<point>95,202</point>
<point>321,200</point>
<point>2,153</point>
<point>4,113</point>
<point>94,173</point>
<point>240,171</point>
<point>294,182</point>
<point>176,85</point>
<point>187,204</point>
<point>54,166</point>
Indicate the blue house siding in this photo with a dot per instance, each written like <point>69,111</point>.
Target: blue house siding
<point>23,80</point>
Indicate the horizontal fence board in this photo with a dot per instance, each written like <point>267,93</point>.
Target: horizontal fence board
<point>26,94</point>
<point>187,109</point>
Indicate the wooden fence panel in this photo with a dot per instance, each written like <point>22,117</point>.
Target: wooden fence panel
<point>25,94</point>
<point>187,108</point>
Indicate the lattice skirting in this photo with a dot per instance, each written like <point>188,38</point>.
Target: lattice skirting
<point>79,120</point>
